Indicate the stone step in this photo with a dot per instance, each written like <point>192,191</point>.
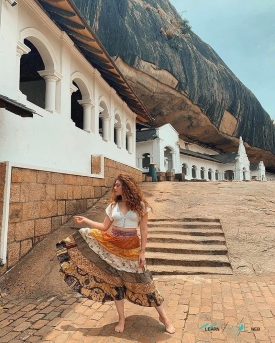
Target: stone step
<point>161,258</point>
<point>182,248</point>
<point>197,219</point>
<point>188,270</point>
<point>183,225</point>
<point>185,231</point>
<point>178,238</point>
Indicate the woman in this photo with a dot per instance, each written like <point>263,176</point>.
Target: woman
<point>110,265</point>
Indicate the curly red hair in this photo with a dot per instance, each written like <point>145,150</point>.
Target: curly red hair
<point>132,195</point>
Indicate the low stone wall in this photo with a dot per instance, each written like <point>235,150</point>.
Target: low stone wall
<point>41,201</point>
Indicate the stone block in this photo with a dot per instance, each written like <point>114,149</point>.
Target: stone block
<point>2,172</point>
<point>85,192</point>
<point>48,209</point>
<point>57,179</point>
<point>61,192</point>
<point>23,175</point>
<point>56,222</point>
<point>77,192</point>
<point>2,187</point>
<point>148,178</point>
<point>43,177</point>
<point>98,182</point>
<point>97,192</point>
<point>26,246</point>
<point>15,213</point>
<point>81,205</point>
<point>61,207</point>
<point>31,210</point>
<point>13,254</point>
<point>50,192</point>
<point>70,179</point>
<point>64,219</point>
<point>24,192</point>
<point>70,192</point>
<point>24,230</point>
<point>37,191</point>
<point>11,232</point>
<point>71,207</point>
<point>42,226</point>
<point>95,164</point>
<point>80,180</point>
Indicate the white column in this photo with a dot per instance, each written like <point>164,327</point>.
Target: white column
<point>174,161</point>
<point>212,175</point>
<point>130,142</point>
<point>105,121</point>
<point>119,136</point>
<point>51,77</point>
<point>140,162</point>
<point>21,50</point>
<point>87,114</point>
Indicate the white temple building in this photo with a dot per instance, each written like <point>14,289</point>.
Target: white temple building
<point>62,99</point>
<point>163,147</point>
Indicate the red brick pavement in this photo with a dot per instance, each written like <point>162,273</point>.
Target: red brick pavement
<point>204,309</point>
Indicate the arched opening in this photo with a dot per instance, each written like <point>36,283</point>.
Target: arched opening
<point>184,169</point>
<point>216,175</point>
<point>76,108</point>
<point>209,174</point>
<point>31,83</point>
<point>145,161</point>
<point>194,172</point>
<point>229,175</point>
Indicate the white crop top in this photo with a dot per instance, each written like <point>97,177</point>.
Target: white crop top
<point>129,220</point>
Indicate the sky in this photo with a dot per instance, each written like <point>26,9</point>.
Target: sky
<point>242,32</point>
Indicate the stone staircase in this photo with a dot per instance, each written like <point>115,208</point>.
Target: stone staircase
<point>186,246</point>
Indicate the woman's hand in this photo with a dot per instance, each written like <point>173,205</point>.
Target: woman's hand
<point>80,220</point>
<point>141,259</point>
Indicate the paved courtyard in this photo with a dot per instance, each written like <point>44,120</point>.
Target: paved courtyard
<point>202,308</point>
<point>37,306</point>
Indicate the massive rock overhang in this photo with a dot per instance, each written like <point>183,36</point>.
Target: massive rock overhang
<point>67,17</point>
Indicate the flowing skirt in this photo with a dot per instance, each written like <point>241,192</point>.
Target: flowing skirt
<point>103,266</point>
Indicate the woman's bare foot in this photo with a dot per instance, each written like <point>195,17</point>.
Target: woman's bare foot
<point>168,326</point>
<point>120,326</point>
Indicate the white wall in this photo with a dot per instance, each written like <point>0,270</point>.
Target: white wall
<point>167,139</point>
<point>269,177</point>
<point>52,140</point>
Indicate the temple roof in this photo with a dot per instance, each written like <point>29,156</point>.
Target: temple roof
<point>15,107</point>
<point>221,158</point>
<point>67,17</point>
<point>146,135</point>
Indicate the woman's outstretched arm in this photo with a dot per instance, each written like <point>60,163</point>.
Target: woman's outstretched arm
<point>101,226</point>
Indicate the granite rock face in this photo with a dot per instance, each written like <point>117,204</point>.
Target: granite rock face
<point>179,78</point>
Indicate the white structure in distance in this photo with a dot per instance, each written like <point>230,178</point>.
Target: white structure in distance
<point>163,147</point>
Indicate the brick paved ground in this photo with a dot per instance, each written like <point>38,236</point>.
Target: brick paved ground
<point>204,309</point>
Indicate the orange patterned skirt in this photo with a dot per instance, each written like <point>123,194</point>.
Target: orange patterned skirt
<point>103,266</point>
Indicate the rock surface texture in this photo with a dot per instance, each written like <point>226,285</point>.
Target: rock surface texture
<point>179,78</point>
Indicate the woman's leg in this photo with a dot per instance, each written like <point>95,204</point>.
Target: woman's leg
<point>164,319</point>
<point>121,317</point>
